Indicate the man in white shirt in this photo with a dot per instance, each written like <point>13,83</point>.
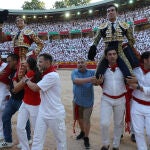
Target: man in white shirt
<point>51,110</point>
<point>140,109</point>
<point>112,101</point>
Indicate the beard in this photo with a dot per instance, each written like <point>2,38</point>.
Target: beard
<point>42,69</point>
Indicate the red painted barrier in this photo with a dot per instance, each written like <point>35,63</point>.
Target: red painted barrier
<point>74,65</point>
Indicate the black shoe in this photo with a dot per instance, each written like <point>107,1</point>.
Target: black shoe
<point>86,142</point>
<point>121,136</point>
<point>133,138</point>
<point>115,148</point>
<point>105,148</point>
<point>80,136</point>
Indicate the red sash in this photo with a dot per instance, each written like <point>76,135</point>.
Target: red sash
<point>141,101</point>
<point>114,97</point>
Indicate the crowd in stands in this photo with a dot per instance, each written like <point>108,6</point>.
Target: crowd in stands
<point>128,16</point>
<point>142,40</point>
<point>71,49</point>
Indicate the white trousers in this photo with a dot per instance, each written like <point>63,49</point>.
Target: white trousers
<point>58,129</point>
<point>3,93</point>
<point>25,112</point>
<point>1,126</point>
<point>140,115</point>
<point>117,108</point>
<point>3,104</point>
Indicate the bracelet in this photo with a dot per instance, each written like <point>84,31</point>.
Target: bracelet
<point>26,80</point>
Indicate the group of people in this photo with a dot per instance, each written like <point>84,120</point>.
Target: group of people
<point>34,89</point>
<point>36,99</point>
<point>123,75</point>
<point>113,100</point>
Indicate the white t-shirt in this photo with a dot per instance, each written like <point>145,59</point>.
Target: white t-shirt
<point>51,106</point>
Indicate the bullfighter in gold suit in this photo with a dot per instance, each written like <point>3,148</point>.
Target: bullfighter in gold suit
<point>22,41</point>
<point>113,33</point>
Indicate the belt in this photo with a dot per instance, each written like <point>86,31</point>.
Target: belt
<point>141,101</point>
<point>114,97</point>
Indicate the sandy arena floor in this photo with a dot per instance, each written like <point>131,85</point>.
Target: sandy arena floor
<point>95,139</point>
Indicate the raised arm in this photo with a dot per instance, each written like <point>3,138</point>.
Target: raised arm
<point>18,86</point>
<point>3,17</point>
<point>39,43</point>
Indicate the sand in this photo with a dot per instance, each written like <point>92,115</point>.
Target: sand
<point>73,144</point>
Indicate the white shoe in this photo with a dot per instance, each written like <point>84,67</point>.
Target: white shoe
<point>19,145</point>
<point>6,144</point>
<point>1,139</point>
<point>30,141</point>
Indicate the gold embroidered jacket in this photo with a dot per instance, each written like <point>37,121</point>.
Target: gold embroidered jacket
<point>122,30</point>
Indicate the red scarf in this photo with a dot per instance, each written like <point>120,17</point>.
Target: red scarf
<point>48,70</point>
<point>145,71</point>
<point>113,67</point>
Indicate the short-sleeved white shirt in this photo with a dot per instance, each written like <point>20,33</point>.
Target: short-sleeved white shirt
<point>51,106</point>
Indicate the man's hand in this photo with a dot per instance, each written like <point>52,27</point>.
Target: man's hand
<point>2,72</point>
<point>134,86</point>
<point>131,79</point>
<point>100,80</point>
<point>24,79</point>
<point>94,80</point>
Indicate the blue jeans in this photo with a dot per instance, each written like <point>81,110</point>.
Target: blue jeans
<point>11,108</point>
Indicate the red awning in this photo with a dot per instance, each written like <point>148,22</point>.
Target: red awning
<point>64,33</point>
<point>144,20</point>
<point>42,33</point>
<point>87,30</point>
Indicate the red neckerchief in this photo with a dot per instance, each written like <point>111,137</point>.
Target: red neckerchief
<point>113,67</point>
<point>50,69</point>
<point>1,63</point>
<point>144,70</point>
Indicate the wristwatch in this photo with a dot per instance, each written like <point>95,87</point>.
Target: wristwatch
<point>138,87</point>
<point>26,80</point>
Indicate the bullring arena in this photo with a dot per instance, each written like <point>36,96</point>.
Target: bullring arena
<point>67,39</point>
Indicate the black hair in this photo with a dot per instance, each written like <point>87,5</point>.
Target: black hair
<point>13,56</point>
<point>33,66</point>
<point>112,5</point>
<point>19,17</point>
<point>47,57</point>
<point>109,49</point>
<point>145,55</point>
<point>3,15</point>
<point>111,46</point>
